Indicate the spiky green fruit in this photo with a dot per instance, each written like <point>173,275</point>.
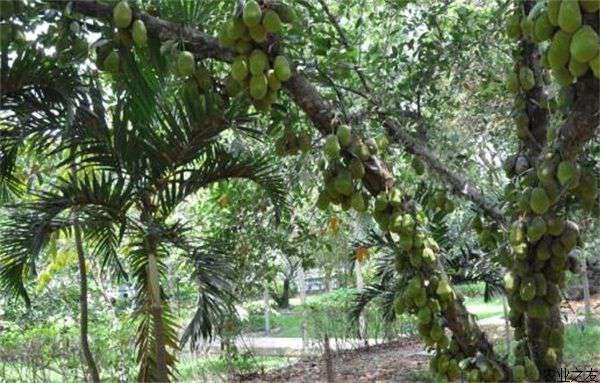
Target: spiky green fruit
<point>282,68</point>
<point>251,14</point>
<point>274,83</point>
<point>511,282</point>
<point>526,78</point>
<point>543,29</point>
<point>357,168</point>
<point>239,68</point>
<point>258,62</point>
<point>559,50</point>
<point>527,27</point>
<point>271,21</point>
<point>122,15</point>
<point>536,229</point>
<point>258,33</point>
<point>344,135</point>
<point>186,64</point>
<point>551,357</point>
<point>139,33</point>
<point>531,371</point>
<point>553,9</point>
<point>569,16</point>
<point>585,44</point>
<point>111,62</point>
<point>332,146</point>
<point>567,173</point>
<point>539,201</point>
<point>513,27</point>
<point>512,82</point>
<point>258,86</point>
<point>577,69</point>
<point>562,76</point>
<point>527,290</point>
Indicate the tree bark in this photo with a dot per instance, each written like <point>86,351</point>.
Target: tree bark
<point>156,310</point>
<point>83,307</point>
<point>267,310</point>
<point>302,288</point>
<point>307,97</point>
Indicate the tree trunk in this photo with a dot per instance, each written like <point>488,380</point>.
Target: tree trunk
<point>267,310</point>
<point>302,288</point>
<point>83,308</point>
<point>285,296</point>
<point>586,291</point>
<point>156,311</point>
<point>362,321</point>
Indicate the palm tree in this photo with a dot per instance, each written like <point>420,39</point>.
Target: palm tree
<point>133,164</point>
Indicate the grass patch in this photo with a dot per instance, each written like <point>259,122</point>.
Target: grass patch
<point>484,310</point>
<point>217,369</point>
<point>582,344</point>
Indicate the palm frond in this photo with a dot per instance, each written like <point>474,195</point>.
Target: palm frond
<point>220,165</point>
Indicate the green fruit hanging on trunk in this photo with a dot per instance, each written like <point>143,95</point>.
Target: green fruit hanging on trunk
<point>543,29</point>
<point>512,83</point>
<point>274,83</point>
<point>551,356</point>
<point>122,15</point>
<point>562,76</point>
<point>536,229</point>
<point>577,69</point>
<point>139,33</point>
<point>285,12</point>
<point>553,9</point>
<point>569,16</point>
<point>258,33</point>
<point>186,64</point>
<point>258,62</point>
<point>527,290</point>
<point>526,78</point>
<point>344,135</point>
<point>357,169</point>
<point>513,27</point>
<point>585,44</point>
<point>258,86</point>
<point>252,13</point>
<point>239,68</point>
<point>343,183</point>
<point>539,201</point>
<point>322,201</point>
<point>559,50</point>
<point>111,62</point>
<point>282,68</point>
<point>271,22</point>
<point>567,173</point>
<point>332,146</point>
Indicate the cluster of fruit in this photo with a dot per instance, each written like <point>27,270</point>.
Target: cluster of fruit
<point>130,32</point>
<point>574,46</point>
<point>344,170</point>
<point>291,142</point>
<point>428,294</point>
<point>249,33</point>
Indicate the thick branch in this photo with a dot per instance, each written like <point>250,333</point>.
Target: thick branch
<point>319,111</point>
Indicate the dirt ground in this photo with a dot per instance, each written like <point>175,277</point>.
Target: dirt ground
<point>397,361</point>
<point>393,361</point>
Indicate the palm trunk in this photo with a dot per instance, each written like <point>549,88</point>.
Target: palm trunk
<point>156,311</point>
<point>83,308</point>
